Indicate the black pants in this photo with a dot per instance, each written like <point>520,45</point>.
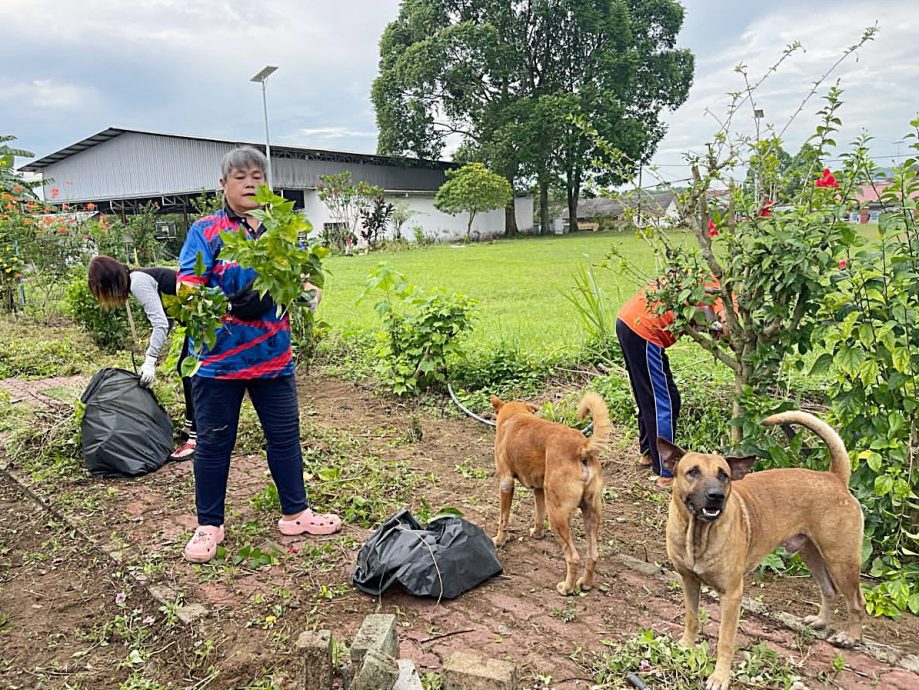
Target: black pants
<point>218,404</point>
<point>190,427</point>
<point>655,392</point>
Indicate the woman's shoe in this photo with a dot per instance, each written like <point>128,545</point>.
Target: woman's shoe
<point>309,522</point>
<point>202,546</point>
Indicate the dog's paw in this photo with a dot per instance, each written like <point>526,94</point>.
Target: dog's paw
<point>563,589</point>
<point>499,540</point>
<point>717,681</point>
<point>687,642</point>
<point>844,640</point>
<point>815,622</point>
<point>537,533</point>
<point>584,584</point>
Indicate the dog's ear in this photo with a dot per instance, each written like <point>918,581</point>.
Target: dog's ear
<point>497,402</point>
<point>670,454</point>
<point>532,408</point>
<point>741,467</point>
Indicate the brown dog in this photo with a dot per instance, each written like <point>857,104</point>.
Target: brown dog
<point>719,528</point>
<point>560,465</point>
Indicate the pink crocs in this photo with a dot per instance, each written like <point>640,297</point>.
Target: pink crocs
<point>311,523</point>
<point>202,546</point>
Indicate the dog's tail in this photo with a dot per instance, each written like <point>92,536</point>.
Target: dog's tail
<point>593,403</point>
<point>840,465</point>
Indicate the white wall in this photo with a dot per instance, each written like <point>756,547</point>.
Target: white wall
<point>436,224</point>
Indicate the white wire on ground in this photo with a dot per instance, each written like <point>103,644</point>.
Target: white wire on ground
<point>488,421</point>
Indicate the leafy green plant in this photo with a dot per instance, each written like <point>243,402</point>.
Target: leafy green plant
<point>109,328</point>
<point>472,189</point>
<point>421,331</point>
<point>661,662</point>
<point>592,306</point>
<point>870,337</point>
<point>374,221</point>
<point>283,259</point>
<point>346,200</point>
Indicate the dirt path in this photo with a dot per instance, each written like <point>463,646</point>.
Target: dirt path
<point>254,611</point>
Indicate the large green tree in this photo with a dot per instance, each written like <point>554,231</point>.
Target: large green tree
<point>509,78</point>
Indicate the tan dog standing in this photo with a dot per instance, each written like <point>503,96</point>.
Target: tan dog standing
<point>560,465</point>
<point>718,528</point>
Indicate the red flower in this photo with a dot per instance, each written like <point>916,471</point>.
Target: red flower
<point>827,180</point>
<point>766,210</point>
<point>842,264</point>
<point>712,230</point>
<point>292,549</point>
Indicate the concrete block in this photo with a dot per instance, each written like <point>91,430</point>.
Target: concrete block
<point>408,676</point>
<point>469,671</point>
<point>378,671</point>
<point>314,648</point>
<point>378,631</point>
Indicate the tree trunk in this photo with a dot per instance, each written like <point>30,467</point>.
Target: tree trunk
<point>572,211</point>
<point>469,225</point>
<point>510,220</point>
<point>544,228</point>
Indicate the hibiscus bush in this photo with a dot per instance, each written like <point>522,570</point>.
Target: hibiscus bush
<point>805,293</point>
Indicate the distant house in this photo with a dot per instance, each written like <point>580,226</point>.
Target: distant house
<point>619,211</point>
<point>122,170</point>
<point>868,196</point>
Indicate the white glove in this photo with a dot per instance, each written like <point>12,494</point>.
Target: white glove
<point>147,370</point>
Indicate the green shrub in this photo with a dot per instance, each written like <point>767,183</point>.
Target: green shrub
<point>108,328</point>
<point>421,331</point>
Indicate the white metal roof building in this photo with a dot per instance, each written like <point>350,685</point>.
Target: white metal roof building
<point>119,170</point>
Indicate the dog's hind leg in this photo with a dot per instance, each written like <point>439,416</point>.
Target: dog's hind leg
<point>811,556</point>
<point>844,569</point>
<point>691,587</point>
<point>506,492</point>
<point>592,510</point>
<point>539,518</point>
<point>559,520</point>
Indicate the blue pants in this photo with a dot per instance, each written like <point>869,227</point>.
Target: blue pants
<point>217,405</point>
<point>655,392</point>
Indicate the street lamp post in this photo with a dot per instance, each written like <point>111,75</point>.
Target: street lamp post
<point>261,77</point>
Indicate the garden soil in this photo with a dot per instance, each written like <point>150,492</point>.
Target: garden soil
<point>79,571</point>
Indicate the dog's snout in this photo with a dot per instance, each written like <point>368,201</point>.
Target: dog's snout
<point>714,495</point>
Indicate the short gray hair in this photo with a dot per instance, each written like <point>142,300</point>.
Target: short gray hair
<point>242,158</point>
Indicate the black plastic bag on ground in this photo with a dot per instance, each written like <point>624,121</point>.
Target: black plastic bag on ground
<point>444,560</point>
<point>125,432</point>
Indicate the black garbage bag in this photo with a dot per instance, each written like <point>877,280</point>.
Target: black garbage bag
<point>125,431</point>
<point>402,551</point>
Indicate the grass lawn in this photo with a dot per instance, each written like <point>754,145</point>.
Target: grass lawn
<point>520,284</point>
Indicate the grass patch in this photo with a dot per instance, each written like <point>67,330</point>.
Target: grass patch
<point>519,285</point>
<point>661,663</point>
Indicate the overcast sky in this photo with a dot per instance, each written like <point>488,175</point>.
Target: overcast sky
<point>73,68</point>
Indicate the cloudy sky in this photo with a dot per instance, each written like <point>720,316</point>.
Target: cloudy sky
<point>73,68</point>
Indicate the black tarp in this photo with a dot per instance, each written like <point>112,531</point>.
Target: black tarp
<point>403,552</point>
<point>125,431</point>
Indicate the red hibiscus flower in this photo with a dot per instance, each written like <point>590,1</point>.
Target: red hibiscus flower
<point>827,180</point>
<point>842,264</point>
<point>712,230</point>
<point>766,210</point>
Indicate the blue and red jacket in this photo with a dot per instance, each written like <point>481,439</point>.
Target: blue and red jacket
<point>244,349</point>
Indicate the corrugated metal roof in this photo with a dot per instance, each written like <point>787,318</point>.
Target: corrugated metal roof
<point>277,151</point>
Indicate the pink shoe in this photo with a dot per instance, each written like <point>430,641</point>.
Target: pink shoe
<point>311,523</point>
<point>202,546</point>
<point>184,452</point>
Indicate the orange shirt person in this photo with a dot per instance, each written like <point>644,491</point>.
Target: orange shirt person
<point>644,335</point>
